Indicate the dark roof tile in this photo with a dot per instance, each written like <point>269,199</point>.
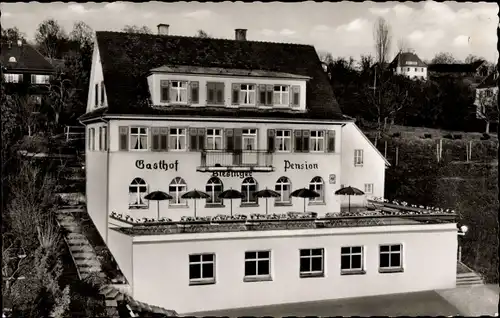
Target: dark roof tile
<point>401,59</point>
<point>127,58</point>
<point>27,58</point>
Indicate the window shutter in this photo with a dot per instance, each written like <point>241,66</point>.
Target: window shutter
<point>123,130</point>
<point>298,140</point>
<point>235,97</point>
<point>331,141</point>
<point>105,134</point>
<point>295,100</point>
<point>229,139</point>
<point>271,140</point>
<point>238,139</point>
<point>155,138</point>
<point>305,140</point>
<point>210,93</point>
<point>165,92</point>
<point>201,138</point>
<point>261,94</point>
<point>219,93</point>
<point>164,138</point>
<point>96,92</point>
<point>193,139</point>
<point>195,92</point>
<point>269,95</point>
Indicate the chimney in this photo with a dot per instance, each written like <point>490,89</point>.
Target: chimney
<point>240,34</point>
<point>163,29</point>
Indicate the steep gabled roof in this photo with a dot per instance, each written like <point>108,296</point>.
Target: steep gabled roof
<point>490,81</point>
<point>27,58</point>
<point>127,59</point>
<point>403,58</point>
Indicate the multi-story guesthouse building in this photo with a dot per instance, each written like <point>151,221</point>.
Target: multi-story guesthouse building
<point>410,65</point>
<point>175,114</point>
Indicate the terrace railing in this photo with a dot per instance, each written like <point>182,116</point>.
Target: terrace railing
<point>236,159</point>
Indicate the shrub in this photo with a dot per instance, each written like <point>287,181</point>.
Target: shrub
<point>448,136</point>
<point>457,136</point>
<point>485,136</point>
<point>427,136</point>
<point>396,134</point>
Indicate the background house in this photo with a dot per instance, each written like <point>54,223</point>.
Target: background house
<point>410,65</point>
<point>486,100</point>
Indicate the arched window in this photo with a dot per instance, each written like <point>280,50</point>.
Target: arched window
<point>317,185</point>
<point>137,190</point>
<point>248,188</point>
<point>214,187</point>
<point>176,189</point>
<point>283,187</point>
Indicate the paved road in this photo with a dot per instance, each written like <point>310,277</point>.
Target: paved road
<point>427,303</point>
<point>473,300</point>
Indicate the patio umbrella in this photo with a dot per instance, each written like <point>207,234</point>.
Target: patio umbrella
<point>305,193</point>
<point>158,196</point>
<point>266,193</point>
<point>349,191</point>
<point>231,194</point>
<point>195,194</point>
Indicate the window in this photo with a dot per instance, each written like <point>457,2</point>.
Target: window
<point>136,192</point>
<point>311,262</point>
<point>281,95</point>
<point>317,140</point>
<point>196,139</point>
<point>103,142</point>
<point>390,258</point>
<point>283,187</point>
<point>249,138</point>
<point>96,95</point>
<point>214,187</point>
<point>102,93</point>
<point>317,185</point>
<point>138,138</point>
<point>12,78</point>
<point>159,139</point>
<point>351,259</point>
<point>415,69</point>
<point>40,79</point>
<point>283,140</point>
<point>489,93</point>
<point>178,92</point>
<point>201,269</point>
<point>247,94</point>
<point>408,69</point>
<point>358,157</point>
<point>91,139</point>
<point>257,266</point>
<point>215,93</point>
<point>176,189</point>
<point>248,188</point>
<point>214,139</point>
<point>177,139</point>
<point>369,188</point>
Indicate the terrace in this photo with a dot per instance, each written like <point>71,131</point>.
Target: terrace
<point>377,214</point>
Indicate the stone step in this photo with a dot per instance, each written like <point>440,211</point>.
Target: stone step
<point>78,241</point>
<point>83,255</point>
<point>87,262</point>
<point>89,269</point>
<point>472,280</point>
<point>112,294</point>
<point>80,249</point>
<point>470,283</point>
<point>74,235</point>
<point>467,275</point>
<point>71,210</point>
<point>87,274</point>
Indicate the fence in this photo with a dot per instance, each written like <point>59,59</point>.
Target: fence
<point>441,150</point>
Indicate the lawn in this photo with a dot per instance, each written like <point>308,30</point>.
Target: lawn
<point>427,303</point>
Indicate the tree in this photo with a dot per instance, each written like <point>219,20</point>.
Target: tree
<point>137,29</point>
<point>325,57</point>
<point>487,106</point>
<point>383,38</point>
<point>82,34</point>
<point>402,45</point>
<point>202,34</point>
<point>13,34</point>
<point>473,58</point>
<point>51,39</point>
<point>365,63</point>
<point>443,58</point>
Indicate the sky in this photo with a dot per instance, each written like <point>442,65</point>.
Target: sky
<point>343,28</point>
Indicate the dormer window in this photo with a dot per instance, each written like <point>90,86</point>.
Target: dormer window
<point>247,94</point>
<point>178,91</point>
<point>12,78</point>
<point>281,95</point>
<point>40,79</point>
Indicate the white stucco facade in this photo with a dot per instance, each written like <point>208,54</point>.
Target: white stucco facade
<point>160,266</point>
<point>412,71</point>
